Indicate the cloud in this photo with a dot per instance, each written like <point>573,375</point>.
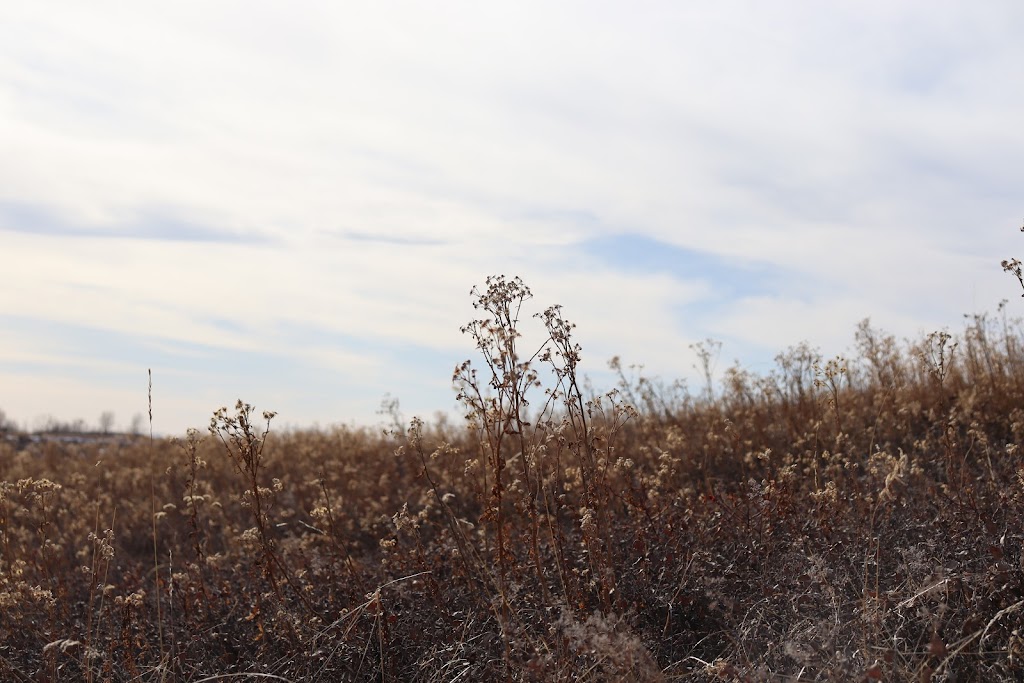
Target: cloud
<point>145,224</point>
<point>387,239</point>
<point>268,191</point>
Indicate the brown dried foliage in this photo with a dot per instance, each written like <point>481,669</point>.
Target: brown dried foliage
<point>860,518</point>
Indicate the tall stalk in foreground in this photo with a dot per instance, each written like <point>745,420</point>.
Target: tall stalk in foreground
<point>499,411</point>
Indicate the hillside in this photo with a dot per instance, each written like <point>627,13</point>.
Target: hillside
<point>835,519</point>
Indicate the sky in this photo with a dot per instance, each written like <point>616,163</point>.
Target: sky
<point>289,203</point>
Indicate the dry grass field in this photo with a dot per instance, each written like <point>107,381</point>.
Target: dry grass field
<point>835,519</point>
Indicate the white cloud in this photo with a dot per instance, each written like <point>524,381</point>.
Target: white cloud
<point>372,163</point>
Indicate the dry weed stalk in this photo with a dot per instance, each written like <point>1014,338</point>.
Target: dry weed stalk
<point>244,444</point>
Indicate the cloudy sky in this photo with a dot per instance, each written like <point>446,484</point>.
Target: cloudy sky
<point>289,202</point>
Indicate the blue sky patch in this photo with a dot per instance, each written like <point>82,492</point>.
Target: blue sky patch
<point>639,254</point>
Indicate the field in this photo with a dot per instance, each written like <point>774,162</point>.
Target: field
<point>834,519</point>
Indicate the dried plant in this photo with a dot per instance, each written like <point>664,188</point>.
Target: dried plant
<point>858,518</point>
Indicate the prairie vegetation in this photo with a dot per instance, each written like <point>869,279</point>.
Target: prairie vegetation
<point>836,519</point>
